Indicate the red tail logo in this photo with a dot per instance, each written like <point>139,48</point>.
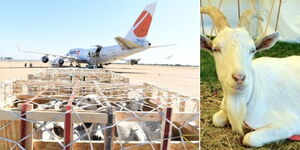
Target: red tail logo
<point>142,29</point>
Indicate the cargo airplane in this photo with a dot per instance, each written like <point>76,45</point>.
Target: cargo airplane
<point>134,42</point>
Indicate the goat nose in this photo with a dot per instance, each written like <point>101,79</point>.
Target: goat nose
<point>238,77</point>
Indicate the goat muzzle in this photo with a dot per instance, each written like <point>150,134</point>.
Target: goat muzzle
<point>238,78</point>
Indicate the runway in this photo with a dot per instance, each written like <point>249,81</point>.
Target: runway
<point>183,80</point>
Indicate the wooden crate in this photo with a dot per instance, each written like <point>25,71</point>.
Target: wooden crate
<point>40,88</point>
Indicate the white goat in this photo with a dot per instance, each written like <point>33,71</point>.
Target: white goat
<point>130,131</point>
<point>89,102</point>
<point>56,129</point>
<point>263,93</point>
<point>137,131</point>
<point>152,129</point>
<point>127,130</point>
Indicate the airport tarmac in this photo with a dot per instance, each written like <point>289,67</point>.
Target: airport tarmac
<point>183,80</point>
<point>16,69</point>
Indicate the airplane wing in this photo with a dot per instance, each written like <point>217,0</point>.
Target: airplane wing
<point>137,59</point>
<point>54,55</point>
<point>162,45</point>
<point>126,44</point>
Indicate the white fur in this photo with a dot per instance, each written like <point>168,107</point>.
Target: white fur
<point>130,131</point>
<point>269,98</point>
<point>89,102</point>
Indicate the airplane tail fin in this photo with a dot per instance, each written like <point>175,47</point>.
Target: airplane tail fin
<point>140,28</point>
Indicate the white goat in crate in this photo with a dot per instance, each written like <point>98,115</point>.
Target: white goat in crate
<point>263,93</point>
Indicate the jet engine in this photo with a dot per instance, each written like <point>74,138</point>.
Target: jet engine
<point>61,62</point>
<point>45,59</point>
<point>132,61</point>
<point>58,62</point>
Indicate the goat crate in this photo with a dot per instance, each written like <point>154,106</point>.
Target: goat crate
<point>88,109</point>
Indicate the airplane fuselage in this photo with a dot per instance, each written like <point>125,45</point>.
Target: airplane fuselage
<point>105,55</point>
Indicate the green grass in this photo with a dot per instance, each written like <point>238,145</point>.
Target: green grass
<point>280,49</point>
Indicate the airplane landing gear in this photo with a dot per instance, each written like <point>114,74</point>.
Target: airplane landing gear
<point>91,66</point>
<point>99,66</point>
<point>71,65</point>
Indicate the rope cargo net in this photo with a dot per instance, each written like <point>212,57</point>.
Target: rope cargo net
<point>94,109</point>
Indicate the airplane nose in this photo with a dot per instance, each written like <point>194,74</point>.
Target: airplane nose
<point>239,78</point>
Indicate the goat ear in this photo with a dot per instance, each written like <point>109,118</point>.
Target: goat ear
<point>267,41</point>
<point>205,43</point>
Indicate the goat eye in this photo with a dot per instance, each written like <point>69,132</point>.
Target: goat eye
<point>253,50</point>
<point>216,50</point>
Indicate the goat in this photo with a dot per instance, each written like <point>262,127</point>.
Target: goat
<point>262,93</point>
<point>127,130</point>
<point>130,131</point>
<point>49,130</point>
<point>134,104</point>
<point>152,129</point>
<point>89,102</point>
<point>56,131</point>
<point>52,104</point>
<point>137,131</point>
<point>93,129</point>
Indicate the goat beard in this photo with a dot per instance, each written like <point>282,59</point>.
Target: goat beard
<point>236,110</point>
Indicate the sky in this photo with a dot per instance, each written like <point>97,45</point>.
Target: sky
<point>55,26</point>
